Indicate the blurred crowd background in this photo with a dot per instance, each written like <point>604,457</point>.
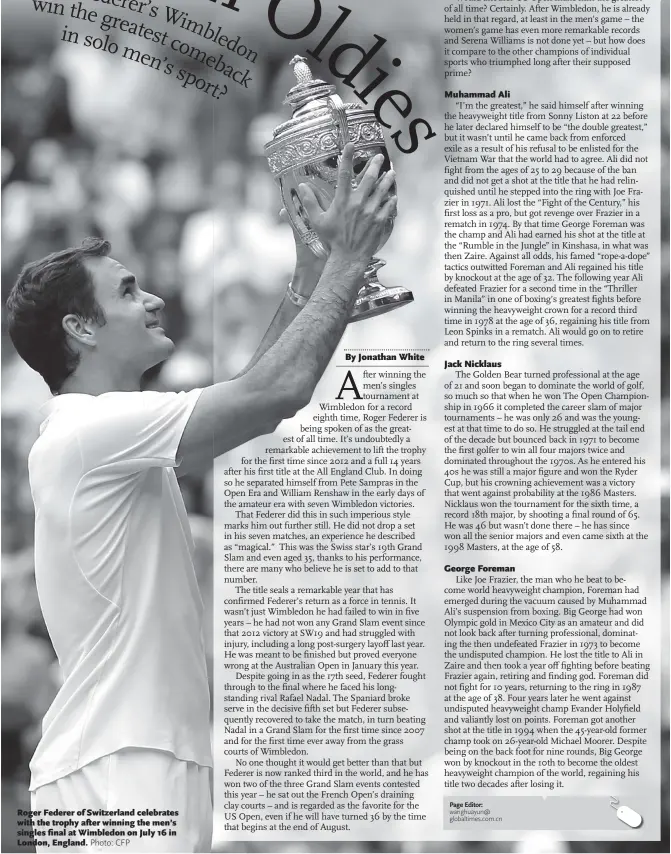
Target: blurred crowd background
<point>95,145</point>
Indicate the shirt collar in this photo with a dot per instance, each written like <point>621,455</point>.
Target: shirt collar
<point>63,401</point>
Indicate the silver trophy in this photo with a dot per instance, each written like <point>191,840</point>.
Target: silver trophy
<point>307,149</point>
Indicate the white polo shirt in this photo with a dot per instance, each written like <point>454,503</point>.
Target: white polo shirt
<point>116,581</point>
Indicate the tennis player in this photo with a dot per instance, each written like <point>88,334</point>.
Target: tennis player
<point>129,728</point>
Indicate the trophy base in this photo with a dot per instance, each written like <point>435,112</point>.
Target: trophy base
<point>374,298</point>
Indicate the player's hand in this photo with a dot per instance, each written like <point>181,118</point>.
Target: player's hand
<point>308,266</point>
<point>354,223</point>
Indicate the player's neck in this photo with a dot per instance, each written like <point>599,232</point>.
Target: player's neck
<point>94,378</point>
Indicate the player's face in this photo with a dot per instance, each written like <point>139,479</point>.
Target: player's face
<point>132,335</point>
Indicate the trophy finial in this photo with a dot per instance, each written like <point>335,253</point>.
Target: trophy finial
<point>301,69</point>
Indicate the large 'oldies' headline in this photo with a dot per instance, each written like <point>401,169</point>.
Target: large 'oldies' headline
<point>387,104</point>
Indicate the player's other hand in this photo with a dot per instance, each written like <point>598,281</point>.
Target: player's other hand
<point>354,223</point>
<point>308,265</point>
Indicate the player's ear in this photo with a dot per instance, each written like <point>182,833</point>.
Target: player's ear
<point>79,330</point>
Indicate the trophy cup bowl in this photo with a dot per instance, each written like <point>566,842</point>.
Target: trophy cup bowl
<point>307,150</point>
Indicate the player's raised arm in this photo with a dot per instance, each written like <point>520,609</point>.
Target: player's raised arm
<point>282,381</point>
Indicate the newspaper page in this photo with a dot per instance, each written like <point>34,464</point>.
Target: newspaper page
<point>429,604</point>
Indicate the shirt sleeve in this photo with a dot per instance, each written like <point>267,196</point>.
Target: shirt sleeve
<point>132,431</point>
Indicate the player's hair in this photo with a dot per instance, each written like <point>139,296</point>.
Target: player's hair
<point>44,293</point>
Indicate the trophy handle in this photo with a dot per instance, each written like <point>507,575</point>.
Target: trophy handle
<point>339,115</point>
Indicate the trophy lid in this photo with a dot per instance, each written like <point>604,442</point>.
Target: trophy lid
<point>319,125</point>
<point>307,88</point>
<point>309,99</point>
